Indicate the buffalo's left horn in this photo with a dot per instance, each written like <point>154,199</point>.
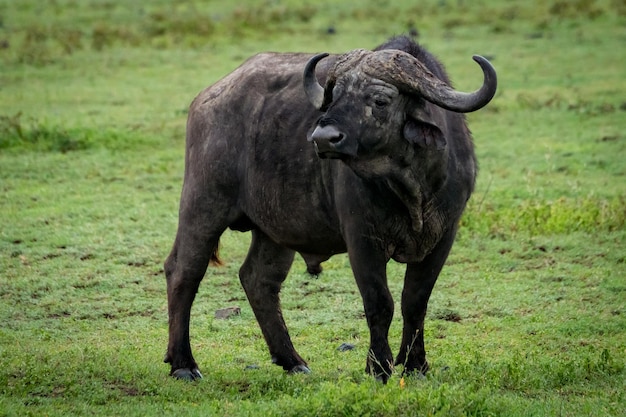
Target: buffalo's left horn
<point>314,91</point>
<point>451,99</point>
<point>409,74</point>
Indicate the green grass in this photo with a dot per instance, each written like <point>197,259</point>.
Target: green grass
<point>527,318</point>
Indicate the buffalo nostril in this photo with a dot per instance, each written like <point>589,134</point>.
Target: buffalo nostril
<point>328,134</point>
<point>329,141</point>
<point>336,139</point>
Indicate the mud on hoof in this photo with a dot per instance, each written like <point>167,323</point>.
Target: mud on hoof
<point>186,374</point>
<point>300,369</point>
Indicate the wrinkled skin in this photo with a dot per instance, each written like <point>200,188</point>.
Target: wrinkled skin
<point>378,174</point>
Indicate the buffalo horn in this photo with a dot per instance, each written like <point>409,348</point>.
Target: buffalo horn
<point>448,98</point>
<point>409,74</point>
<point>313,89</point>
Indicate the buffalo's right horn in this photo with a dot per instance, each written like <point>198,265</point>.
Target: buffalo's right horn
<point>314,91</point>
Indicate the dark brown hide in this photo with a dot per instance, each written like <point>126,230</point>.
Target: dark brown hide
<point>382,172</point>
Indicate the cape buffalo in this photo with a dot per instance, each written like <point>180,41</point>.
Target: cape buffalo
<point>366,153</point>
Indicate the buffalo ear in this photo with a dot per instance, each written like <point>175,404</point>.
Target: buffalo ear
<point>424,134</point>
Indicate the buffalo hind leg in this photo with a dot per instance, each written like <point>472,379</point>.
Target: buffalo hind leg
<point>195,246</point>
<point>262,275</point>
<point>419,281</point>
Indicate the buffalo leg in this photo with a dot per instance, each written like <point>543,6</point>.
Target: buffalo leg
<point>419,281</point>
<point>262,275</point>
<point>369,268</point>
<point>196,242</point>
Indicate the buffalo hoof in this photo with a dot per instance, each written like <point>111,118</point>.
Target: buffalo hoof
<point>300,369</point>
<point>380,374</point>
<point>187,374</point>
<point>419,370</point>
<point>382,378</point>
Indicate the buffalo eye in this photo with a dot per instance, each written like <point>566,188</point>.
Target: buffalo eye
<point>380,103</point>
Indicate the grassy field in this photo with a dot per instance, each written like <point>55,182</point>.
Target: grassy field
<point>528,317</point>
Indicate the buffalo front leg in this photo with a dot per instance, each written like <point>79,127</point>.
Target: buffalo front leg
<point>369,268</point>
<point>262,275</point>
<point>419,281</point>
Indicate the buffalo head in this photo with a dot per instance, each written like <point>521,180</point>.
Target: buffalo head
<point>373,97</point>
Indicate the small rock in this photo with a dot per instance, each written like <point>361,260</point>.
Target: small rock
<point>228,312</point>
<point>345,347</point>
